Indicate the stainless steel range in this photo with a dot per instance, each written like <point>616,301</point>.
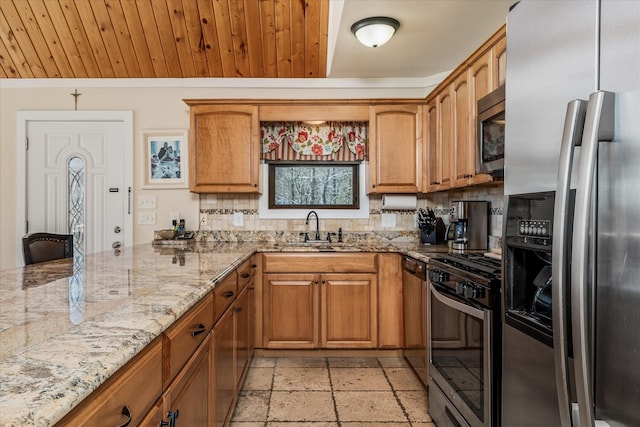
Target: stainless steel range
<point>464,340</point>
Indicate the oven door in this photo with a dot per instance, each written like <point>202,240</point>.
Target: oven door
<point>460,354</point>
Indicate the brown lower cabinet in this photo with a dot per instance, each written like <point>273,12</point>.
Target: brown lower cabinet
<point>202,363</point>
<point>232,348</point>
<point>224,378</point>
<point>187,401</point>
<point>188,398</point>
<point>192,374</point>
<point>306,309</point>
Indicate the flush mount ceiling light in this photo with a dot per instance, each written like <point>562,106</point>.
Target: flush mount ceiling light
<point>375,31</point>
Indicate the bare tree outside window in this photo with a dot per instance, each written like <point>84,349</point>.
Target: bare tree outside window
<point>313,185</point>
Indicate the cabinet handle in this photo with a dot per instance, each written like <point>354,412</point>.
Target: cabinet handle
<point>228,294</point>
<point>201,329</point>
<point>127,413</point>
<point>253,265</point>
<point>251,288</point>
<point>245,275</point>
<point>238,309</point>
<point>255,185</point>
<point>323,282</point>
<point>172,419</point>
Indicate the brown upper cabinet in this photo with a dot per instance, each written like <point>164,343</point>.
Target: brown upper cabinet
<point>395,149</point>
<point>451,117</point>
<point>224,156</point>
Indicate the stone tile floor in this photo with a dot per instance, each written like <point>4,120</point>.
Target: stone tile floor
<point>331,392</point>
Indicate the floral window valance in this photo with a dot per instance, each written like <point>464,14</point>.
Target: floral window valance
<point>340,141</point>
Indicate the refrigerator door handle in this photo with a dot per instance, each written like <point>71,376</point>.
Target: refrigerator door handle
<point>599,126</point>
<point>571,137</point>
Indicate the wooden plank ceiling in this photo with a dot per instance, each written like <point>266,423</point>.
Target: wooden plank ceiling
<point>163,38</point>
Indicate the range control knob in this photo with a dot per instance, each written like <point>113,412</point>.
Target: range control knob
<point>461,288</point>
<point>473,291</point>
<point>469,291</point>
<point>438,276</point>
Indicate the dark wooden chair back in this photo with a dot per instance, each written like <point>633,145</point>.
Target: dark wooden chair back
<point>41,247</point>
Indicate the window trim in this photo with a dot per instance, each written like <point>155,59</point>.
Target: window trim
<point>355,168</point>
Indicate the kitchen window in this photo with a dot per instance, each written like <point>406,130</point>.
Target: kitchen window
<point>313,165</point>
<point>313,185</point>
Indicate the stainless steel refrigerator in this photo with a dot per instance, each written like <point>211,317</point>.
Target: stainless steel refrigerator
<point>571,306</point>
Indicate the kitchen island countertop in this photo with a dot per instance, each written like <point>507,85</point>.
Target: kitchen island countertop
<point>65,326</point>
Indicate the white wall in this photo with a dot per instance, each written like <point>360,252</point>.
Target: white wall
<point>156,107</point>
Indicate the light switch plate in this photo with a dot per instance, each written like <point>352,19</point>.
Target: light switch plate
<point>147,202</point>
<point>238,219</point>
<point>147,218</point>
<point>388,220</point>
<point>174,216</point>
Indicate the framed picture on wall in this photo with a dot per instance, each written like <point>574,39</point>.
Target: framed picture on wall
<point>165,158</point>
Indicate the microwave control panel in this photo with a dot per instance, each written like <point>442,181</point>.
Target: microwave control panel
<point>535,228</point>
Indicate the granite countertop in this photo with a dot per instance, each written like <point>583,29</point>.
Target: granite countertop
<point>65,326</point>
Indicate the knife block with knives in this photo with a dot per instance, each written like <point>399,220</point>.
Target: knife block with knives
<point>432,228</point>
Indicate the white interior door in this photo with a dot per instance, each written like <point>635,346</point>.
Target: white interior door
<point>76,182</point>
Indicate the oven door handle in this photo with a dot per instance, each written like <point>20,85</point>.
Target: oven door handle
<point>456,305</point>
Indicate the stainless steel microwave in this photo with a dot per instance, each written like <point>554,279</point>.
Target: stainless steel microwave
<point>491,133</point>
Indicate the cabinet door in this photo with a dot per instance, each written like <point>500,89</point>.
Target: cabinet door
<point>433,144</point>
<point>446,143</point>
<point>291,316</point>
<point>188,395</point>
<point>224,369</point>
<point>464,157</point>
<point>243,316</point>
<point>390,322</point>
<point>395,150</point>
<point>482,76</point>
<point>224,153</point>
<point>349,308</point>
<point>499,55</point>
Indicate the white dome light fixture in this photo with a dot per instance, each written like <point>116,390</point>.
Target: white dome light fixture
<point>375,31</point>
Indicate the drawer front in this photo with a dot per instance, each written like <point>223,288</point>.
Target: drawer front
<point>184,336</point>
<point>224,294</point>
<point>127,395</point>
<point>245,272</point>
<point>314,262</point>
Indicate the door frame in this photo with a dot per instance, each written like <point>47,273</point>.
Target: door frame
<point>23,117</point>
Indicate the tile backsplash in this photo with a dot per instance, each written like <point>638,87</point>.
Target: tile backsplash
<point>221,208</point>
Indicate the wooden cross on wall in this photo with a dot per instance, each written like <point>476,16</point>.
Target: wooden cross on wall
<point>76,95</point>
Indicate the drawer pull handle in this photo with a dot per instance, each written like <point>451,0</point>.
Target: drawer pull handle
<point>172,419</point>
<point>127,413</point>
<point>238,309</point>
<point>228,294</point>
<point>201,329</point>
<point>245,275</point>
<point>253,265</point>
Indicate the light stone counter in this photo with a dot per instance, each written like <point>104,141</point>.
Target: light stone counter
<point>65,328</point>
